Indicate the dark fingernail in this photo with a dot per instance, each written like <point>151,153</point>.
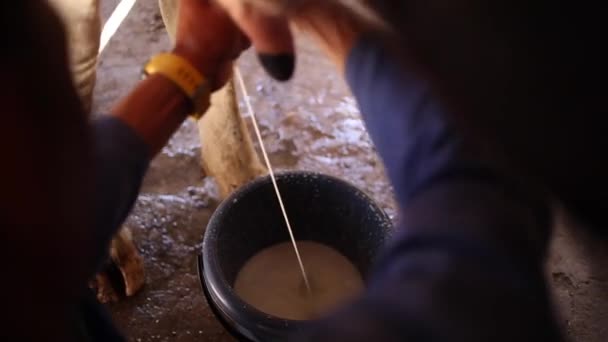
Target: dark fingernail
<point>280,66</point>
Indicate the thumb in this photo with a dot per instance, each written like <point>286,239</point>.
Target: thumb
<point>269,34</point>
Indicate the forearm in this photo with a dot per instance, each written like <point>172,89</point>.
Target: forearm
<point>121,160</point>
<point>155,109</point>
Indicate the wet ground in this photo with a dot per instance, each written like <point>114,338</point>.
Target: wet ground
<point>310,123</point>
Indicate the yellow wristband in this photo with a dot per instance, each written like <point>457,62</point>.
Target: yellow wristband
<point>184,75</point>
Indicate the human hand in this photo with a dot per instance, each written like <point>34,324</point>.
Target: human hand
<point>267,23</point>
<point>208,38</point>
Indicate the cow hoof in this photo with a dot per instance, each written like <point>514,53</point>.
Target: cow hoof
<point>133,275</point>
<point>123,274</point>
<point>127,259</point>
<point>105,290</point>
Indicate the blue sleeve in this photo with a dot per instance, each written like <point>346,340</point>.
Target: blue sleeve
<point>465,263</point>
<point>121,161</point>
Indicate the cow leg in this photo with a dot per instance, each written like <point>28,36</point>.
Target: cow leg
<point>226,148</point>
<point>104,287</point>
<point>168,10</point>
<point>83,28</point>
<point>125,256</point>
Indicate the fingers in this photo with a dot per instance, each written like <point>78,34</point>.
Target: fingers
<point>270,35</point>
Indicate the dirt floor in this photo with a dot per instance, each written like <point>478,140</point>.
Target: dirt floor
<point>311,123</point>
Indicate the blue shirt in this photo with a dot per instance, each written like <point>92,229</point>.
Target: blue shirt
<point>466,263</point>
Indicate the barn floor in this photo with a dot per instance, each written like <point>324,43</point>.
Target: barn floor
<point>310,123</point>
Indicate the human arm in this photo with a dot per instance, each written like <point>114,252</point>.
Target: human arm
<point>466,260</point>
<point>147,117</point>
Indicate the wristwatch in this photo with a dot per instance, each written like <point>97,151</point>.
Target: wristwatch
<point>185,76</point>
